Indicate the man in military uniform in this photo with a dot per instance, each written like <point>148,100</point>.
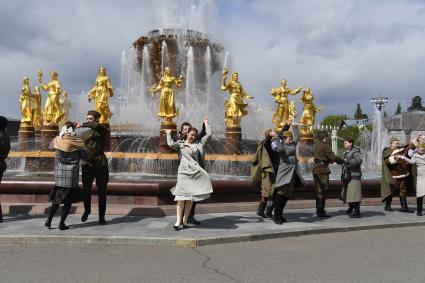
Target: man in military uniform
<point>395,171</point>
<point>323,156</point>
<point>264,167</point>
<point>96,167</point>
<point>4,151</point>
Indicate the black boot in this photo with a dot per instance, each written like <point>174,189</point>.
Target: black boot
<point>1,215</point>
<point>419,202</point>
<point>269,209</point>
<point>388,201</point>
<point>52,212</point>
<point>284,201</point>
<point>87,207</point>
<point>102,209</point>
<point>350,209</point>
<point>278,208</point>
<point>65,211</point>
<point>404,207</point>
<point>191,218</point>
<point>356,213</point>
<point>261,208</point>
<point>320,208</point>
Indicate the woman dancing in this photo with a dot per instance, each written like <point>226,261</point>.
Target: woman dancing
<point>193,182</point>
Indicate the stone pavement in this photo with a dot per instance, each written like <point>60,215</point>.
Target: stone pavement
<point>215,228</point>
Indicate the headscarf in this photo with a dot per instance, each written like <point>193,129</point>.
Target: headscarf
<point>67,140</point>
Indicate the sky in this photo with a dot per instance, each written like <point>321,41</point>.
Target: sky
<point>345,51</point>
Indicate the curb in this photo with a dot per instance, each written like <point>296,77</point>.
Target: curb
<point>191,242</point>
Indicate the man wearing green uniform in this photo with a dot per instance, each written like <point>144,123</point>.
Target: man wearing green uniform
<point>323,156</point>
<point>96,167</point>
<point>395,171</point>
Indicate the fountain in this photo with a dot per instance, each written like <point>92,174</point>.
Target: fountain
<point>140,169</point>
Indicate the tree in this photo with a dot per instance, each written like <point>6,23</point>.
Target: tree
<point>333,120</point>
<point>398,110</point>
<point>359,113</point>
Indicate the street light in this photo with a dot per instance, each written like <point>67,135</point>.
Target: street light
<point>379,102</point>
<point>376,149</point>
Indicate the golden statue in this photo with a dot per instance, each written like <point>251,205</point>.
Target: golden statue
<point>308,116</point>
<point>25,99</point>
<point>292,111</point>
<point>65,104</point>
<point>235,108</point>
<point>280,94</point>
<point>101,92</point>
<point>52,112</point>
<point>167,106</point>
<point>36,109</point>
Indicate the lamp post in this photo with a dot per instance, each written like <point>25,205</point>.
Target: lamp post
<point>379,103</point>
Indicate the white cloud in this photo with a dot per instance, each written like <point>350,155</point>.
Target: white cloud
<point>346,51</point>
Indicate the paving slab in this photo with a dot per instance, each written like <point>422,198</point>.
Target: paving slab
<point>215,228</point>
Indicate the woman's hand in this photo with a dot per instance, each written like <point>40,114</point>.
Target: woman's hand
<point>205,120</point>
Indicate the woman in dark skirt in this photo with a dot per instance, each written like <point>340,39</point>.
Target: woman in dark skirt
<point>70,149</point>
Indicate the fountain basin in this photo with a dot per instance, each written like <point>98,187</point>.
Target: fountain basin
<point>147,190</point>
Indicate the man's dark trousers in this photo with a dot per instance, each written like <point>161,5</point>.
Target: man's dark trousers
<point>101,175</point>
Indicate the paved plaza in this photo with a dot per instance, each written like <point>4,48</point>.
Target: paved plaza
<point>215,228</point>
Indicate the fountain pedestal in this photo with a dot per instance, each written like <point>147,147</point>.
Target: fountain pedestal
<point>163,147</point>
<point>26,136</point>
<point>48,133</point>
<point>233,140</point>
<point>306,145</point>
<point>37,133</point>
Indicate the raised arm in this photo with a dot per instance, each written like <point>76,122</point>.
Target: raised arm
<point>170,142</point>
<point>296,91</point>
<point>296,132</point>
<point>95,126</point>
<point>224,85</point>
<point>207,131</point>
<point>178,81</point>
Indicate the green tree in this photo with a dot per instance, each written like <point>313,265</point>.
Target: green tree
<point>398,110</point>
<point>359,112</point>
<point>333,120</point>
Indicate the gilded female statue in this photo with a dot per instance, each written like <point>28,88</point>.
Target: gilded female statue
<point>36,106</point>
<point>101,92</point>
<point>292,111</point>
<point>280,94</point>
<point>52,112</point>
<point>167,106</point>
<point>25,99</point>
<point>235,107</point>
<point>308,116</point>
<point>65,104</point>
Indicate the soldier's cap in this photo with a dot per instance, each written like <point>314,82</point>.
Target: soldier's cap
<point>393,139</point>
<point>3,122</point>
<point>94,113</point>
